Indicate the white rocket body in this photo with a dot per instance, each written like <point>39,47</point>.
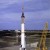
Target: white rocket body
<point>22,36</point>
<point>23,44</point>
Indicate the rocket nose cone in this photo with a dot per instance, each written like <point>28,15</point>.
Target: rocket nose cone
<point>23,15</point>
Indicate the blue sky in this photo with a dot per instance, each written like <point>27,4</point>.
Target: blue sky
<point>37,12</point>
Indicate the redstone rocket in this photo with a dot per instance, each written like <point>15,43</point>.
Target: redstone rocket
<point>22,32</point>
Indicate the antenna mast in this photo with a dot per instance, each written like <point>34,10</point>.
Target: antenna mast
<point>22,8</point>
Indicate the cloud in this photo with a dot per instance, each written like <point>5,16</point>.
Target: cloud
<point>36,11</point>
<point>12,1</point>
<point>37,5</point>
<point>40,15</point>
<point>33,19</point>
<point>5,3</point>
<point>10,17</point>
<point>10,6</point>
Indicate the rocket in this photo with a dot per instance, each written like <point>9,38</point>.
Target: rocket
<point>23,44</point>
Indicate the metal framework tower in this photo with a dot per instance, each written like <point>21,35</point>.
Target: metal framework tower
<point>42,44</point>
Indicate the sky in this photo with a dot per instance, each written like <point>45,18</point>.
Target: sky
<point>37,13</point>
